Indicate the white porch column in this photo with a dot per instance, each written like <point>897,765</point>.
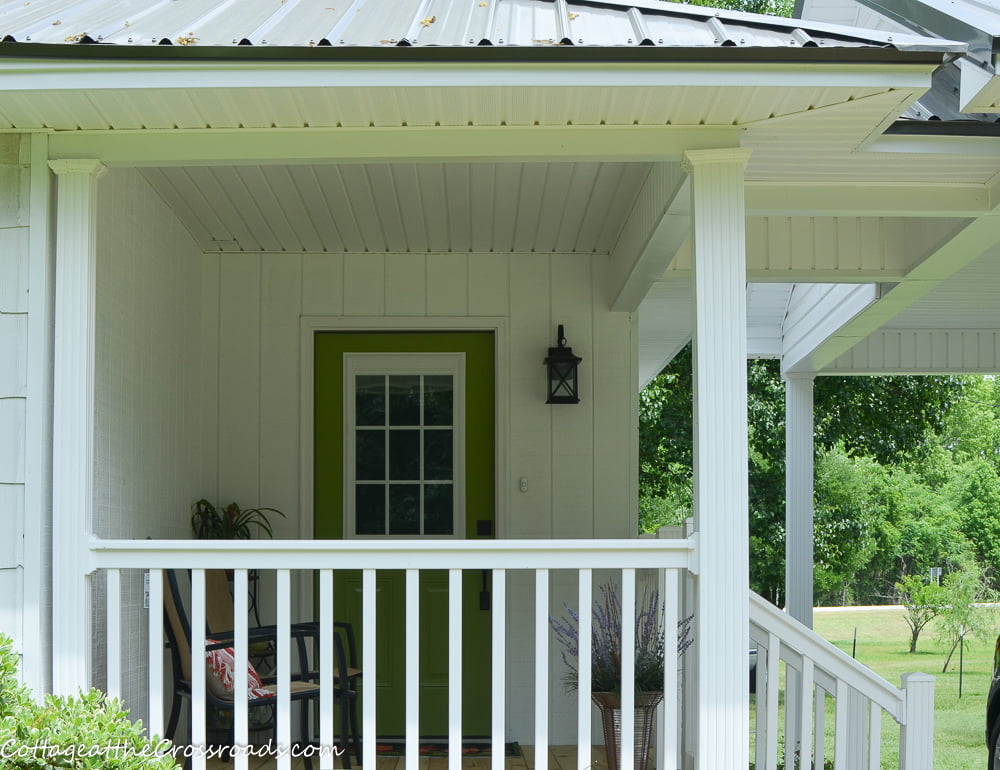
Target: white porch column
<point>799,496</point>
<point>720,455</point>
<point>73,421</point>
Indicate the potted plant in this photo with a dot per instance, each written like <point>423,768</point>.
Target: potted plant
<point>230,522</point>
<point>606,669</point>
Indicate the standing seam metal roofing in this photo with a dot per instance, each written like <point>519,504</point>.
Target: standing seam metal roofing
<point>381,23</point>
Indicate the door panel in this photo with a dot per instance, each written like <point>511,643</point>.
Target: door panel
<point>474,484</point>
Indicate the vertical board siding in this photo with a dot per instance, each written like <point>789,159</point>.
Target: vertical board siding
<point>323,284</point>
<point>239,378</point>
<point>148,393</point>
<point>531,333</point>
<point>279,387</point>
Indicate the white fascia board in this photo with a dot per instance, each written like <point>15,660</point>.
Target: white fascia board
<point>30,74</point>
<point>914,144</point>
<point>807,328</point>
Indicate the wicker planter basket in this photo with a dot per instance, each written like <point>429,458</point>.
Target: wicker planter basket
<point>611,718</point>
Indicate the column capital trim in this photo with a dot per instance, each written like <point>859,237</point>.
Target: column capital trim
<point>730,155</point>
<point>798,376</point>
<point>89,166</point>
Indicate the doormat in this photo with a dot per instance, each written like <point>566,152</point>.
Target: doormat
<point>396,747</point>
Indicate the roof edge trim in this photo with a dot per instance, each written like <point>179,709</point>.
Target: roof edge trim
<point>483,54</point>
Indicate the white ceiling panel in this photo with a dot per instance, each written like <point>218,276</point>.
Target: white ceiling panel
<point>430,207</point>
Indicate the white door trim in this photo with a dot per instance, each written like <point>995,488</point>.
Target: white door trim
<point>452,364</point>
<point>310,325</point>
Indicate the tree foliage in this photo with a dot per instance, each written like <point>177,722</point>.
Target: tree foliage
<point>907,475</point>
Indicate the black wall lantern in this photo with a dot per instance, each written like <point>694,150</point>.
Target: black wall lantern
<point>562,368</point>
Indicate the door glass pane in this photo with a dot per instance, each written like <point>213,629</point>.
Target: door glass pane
<point>438,399</point>
<point>370,454</point>
<point>407,428</point>
<point>404,455</point>
<point>370,509</point>
<point>404,399</point>
<point>438,505</point>
<point>404,509</point>
<point>369,399</point>
<point>438,455</point>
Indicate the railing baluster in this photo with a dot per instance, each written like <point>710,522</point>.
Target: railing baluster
<point>499,682</point>
<point>627,760</point>
<point>326,670</point>
<point>114,620</point>
<point>771,701</point>
<point>241,655</point>
<point>819,756</point>
<point>841,730</point>
<point>369,681</point>
<point>541,669</point>
<point>156,652</point>
<point>806,688</point>
<point>874,736</point>
<point>282,655</point>
<point>412,669</point>
<point>455,669</point>
<point>584,674</point>
<point>669,755</point>
<point>198,732</point>
<point>760,710</point>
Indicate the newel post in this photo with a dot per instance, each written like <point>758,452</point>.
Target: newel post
<point>916,736</point>
<point>73,420</point>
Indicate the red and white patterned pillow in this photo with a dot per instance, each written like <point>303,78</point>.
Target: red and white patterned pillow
<point>220,667</point>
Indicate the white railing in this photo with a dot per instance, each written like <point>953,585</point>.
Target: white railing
<point>670,559</point>
<point>816,670</point>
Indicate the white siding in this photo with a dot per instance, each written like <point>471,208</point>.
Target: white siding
<point>148,468</point>
<point>580,461</point>
<point>13,380</point>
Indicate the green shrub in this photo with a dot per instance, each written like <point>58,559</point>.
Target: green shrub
<point>89,730</point>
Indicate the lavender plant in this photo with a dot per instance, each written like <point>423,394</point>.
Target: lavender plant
<point>606,643</point>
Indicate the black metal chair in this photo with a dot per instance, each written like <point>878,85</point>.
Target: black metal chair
<point>304,684</point>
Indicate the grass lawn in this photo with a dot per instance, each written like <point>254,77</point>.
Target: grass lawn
<point>883,641</point>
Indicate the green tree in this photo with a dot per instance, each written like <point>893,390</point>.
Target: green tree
<point>967,609</point>
<point>890,420</point>
<point>922,601</point>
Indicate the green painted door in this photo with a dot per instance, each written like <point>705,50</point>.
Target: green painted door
<point>405,448</point>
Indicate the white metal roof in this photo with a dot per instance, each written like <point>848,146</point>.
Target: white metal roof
<point>524,23</point>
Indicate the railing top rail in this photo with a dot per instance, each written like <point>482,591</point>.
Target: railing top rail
<point>391,554</point>
<point>827,657</point>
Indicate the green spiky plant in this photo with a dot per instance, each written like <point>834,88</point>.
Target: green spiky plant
<point>230,522</point>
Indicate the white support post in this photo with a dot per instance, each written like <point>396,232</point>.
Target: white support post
<point>916,739</point>
<point>73,421</point>
<point>799,497</point>
<point>798,529</point>
<point>720,454</point>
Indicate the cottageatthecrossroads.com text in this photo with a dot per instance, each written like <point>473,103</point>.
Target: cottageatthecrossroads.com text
<point>44,750</point>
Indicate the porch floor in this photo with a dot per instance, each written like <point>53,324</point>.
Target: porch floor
<point>560,758</point>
